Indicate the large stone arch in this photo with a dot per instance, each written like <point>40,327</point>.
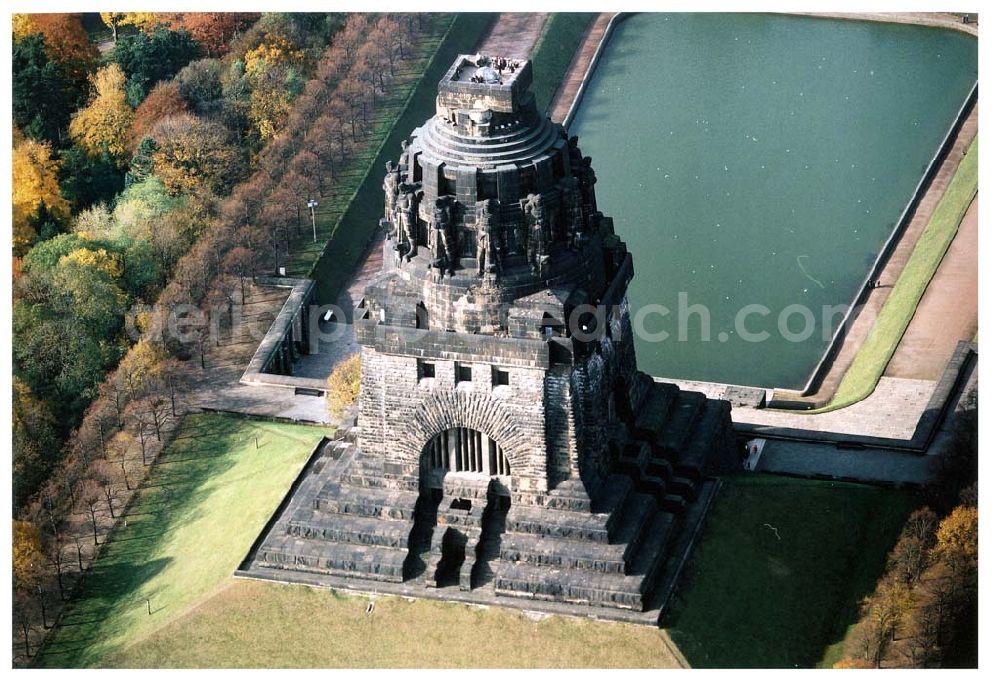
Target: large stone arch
<point>456,409</point>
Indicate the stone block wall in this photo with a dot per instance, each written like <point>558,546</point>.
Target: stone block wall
<point>399,412</point>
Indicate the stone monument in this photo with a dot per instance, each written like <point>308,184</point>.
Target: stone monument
<point>506,448</point>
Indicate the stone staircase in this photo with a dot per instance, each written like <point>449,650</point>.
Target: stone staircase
<point>606,547</point>
<point>359,524</point>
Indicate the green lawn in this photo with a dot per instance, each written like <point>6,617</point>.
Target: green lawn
<point>195,517</point>
<point>194,520</point>
<point>554,51</point>
<point>751,599</point>
<point>252,624</point>
<point>355,218</point>
<point>877,350</point>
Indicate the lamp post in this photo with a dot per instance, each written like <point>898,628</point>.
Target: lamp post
<point>312,204</point>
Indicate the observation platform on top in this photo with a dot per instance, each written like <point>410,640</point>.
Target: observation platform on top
<point>482,82</point>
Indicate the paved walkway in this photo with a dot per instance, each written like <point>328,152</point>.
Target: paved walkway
<point>816,459</point>
<point>514,35</point>
<point>948,311</point>
<point>867,464</point>
<point>934,19</point>
<point>578,67</point>
<point>891,411</point>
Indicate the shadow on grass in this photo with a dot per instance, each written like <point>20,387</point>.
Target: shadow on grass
<point>779,573</point>
<point>177,485</point>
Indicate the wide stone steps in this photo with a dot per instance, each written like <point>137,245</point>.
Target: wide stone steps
<point>658,401</point>
<point>563,553</point>
<point>377,502</point>
<point>652,552</point>
<point>569,524</point>
<point>337,558</point>
<point>569,585</point>
<point>359,530</point>
<point>681,422</point>
<point>692,461</point>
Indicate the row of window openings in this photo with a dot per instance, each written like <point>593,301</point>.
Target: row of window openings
<point>425,370</point>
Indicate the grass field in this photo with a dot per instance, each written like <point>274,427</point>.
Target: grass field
<point>252,624</point>
<point>754,597</point>
<point>195,517</point>
<point>190,526</point>
<point>900,306</point>
<point>554,51</point>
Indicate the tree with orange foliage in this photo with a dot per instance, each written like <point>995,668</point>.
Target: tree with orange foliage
<point>163,100</point>
<point>212,30</point>
<point>66,40</point>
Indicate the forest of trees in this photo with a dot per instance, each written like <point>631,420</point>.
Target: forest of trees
<point>119,161</point>
<point>166,169</point>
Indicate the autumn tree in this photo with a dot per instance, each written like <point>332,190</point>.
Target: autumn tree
<point>27,554</point>
<point>66,40</point>
<point>35,188</point>
<point>105,473</point>
<point>343,386</point>
<point>200,84</point>
<point>144,21</point>
<point>42,96</point>
<point>958,541</point>
<point>104,124</point>
<point>56,559</point>
<point>163,101</point>
<point>213,30</point>
<point>194,155</point>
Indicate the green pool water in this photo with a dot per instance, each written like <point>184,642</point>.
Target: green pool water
<point>760,160</point>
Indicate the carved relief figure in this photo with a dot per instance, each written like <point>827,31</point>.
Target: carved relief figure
<point>441,237</point>
<point>406,208</point>
<point>391,187</point>
<point>487,251</point>
<point>539,234</point>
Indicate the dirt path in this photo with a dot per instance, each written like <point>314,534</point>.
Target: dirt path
<point>934,19</point>
<point>514,35</point>
<point>948,311</point>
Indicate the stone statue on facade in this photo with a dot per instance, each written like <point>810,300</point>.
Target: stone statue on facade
<point>391,187</point>
<point>406,210</point>
<point>539,232</point>
<point>487,243</point>
<point>441,237</point>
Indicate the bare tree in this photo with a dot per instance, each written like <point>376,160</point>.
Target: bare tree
<point>55,557</point>
<point>89,496</point>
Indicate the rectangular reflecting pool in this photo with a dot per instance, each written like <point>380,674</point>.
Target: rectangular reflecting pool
<point>756,164</point>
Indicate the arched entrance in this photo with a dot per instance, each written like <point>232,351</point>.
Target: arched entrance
<point>467,450</point>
